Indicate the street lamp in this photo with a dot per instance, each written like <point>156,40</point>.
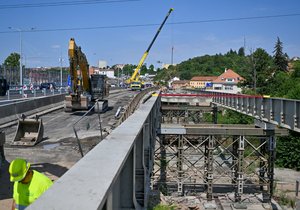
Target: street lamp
<point>21,65</point>
<point>61,74</point>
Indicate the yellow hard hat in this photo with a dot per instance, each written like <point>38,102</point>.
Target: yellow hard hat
<point>18,169</point>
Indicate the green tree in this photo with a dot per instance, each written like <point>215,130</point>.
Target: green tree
<point>296,68</point>
<point>288,151</point>
<point>13,60</point>
<point>261,68</point>
<point>280,59</point>
<point>241,51</point>
<point>151,69</point>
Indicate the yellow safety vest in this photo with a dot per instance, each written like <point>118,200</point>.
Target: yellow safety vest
<point>25,194</point>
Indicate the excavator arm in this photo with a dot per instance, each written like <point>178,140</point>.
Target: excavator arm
<point>78,58</point>
<point>86,91</point>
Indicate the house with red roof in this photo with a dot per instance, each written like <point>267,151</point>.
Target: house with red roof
<point>227,82</point>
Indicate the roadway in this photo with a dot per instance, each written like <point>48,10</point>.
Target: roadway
<point>59,150</point>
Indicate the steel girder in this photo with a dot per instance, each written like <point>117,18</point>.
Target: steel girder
<point>207,163</point>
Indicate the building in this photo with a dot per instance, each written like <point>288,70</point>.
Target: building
<point>178,84</point>
<point>227,82</point>
<point>202,82</point>
<point>110,73</point>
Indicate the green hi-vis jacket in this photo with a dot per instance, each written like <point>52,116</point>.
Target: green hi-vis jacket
<point>25,194</point>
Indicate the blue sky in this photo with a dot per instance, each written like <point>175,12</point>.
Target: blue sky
<point>121,30</point>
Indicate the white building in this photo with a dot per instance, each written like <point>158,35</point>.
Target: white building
<point>227,82</point>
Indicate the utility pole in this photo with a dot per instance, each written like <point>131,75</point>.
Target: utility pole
<point>172,55</point>
<point>61,75</point>
<point>21,65</point>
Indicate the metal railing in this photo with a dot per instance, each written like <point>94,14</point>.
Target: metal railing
<point>17,94</point>
<point>133,104</point>
<point>282,112</point>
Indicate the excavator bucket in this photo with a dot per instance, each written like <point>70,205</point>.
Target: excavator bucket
<point>29,132</point>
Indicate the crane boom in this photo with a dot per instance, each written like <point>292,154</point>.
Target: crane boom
<point>136,74</point>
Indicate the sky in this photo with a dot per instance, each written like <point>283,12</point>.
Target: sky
<point>120,31</point>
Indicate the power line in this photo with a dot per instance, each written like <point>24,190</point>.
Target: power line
<point>61,3</point>
<point>238,18</point>
<point>155,24</point>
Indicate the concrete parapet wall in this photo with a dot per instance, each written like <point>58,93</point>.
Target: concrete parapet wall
<point>115,173</point>
<point>10,112</point>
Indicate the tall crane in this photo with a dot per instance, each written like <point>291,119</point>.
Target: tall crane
<point>136,74</point>
<point>86,90</point>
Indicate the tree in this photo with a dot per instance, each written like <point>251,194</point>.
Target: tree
<point>261,63</point>
<point>280,58</point>
<point>296,67</point>
<point>151,69</point>
<point>241,51</point>
<point>13,60</point>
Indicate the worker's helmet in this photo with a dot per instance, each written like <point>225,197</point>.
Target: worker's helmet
<point>18,169</point>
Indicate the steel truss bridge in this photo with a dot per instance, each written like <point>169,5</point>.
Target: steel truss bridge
<point>165,145</point>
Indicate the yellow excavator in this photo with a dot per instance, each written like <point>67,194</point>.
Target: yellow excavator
<point>86,90</point>
<point>134,81</point>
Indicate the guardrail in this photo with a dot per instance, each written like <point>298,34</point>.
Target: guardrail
<point>133,104</point>
<point>15,94</point>
<point>278,111</point>
<point>115,174</point>
<point>10,112</point>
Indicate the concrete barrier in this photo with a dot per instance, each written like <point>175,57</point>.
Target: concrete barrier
<point>10,112</point>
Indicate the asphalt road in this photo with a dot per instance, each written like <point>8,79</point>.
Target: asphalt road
<point>59,149</point>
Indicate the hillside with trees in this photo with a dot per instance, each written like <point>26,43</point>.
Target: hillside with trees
<point>264,73</point>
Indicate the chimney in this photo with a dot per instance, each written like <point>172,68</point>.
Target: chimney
<point>225,69</point>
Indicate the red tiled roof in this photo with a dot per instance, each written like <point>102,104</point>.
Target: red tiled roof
<point>229,74</point>
<point>204,78</point>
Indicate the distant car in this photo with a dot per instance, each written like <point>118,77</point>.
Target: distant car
<point>47,85</point>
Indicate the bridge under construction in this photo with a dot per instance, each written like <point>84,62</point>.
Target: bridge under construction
<point>162,142</point>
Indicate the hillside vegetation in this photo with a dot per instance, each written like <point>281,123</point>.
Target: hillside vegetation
<point>264,73</point>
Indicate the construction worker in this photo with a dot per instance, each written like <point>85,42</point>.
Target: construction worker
<point>28,184</point>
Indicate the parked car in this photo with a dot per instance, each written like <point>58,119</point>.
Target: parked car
<point>47,85</point>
